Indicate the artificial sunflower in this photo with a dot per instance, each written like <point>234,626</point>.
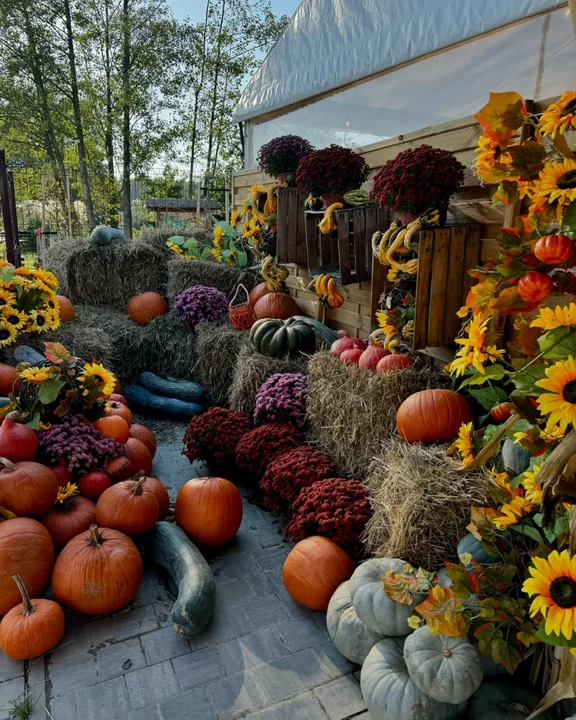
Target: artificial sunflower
<point>549,318</point>
<point>218,232</point>
<point>560,402</point>
<point>46,277</point>
<point>53,319</point>
<point>251,232</point>
<point>532,486</point>
<point>65,492</point>
<point>235,217</point>
<point>43,286</point>
<point>383,322</point>
<point>493,163</point>
<point>96,374</point>
<point>8,333</point>
<point>553,582</point>
<point>7,298</point>
<point>560,116</point>
<point>475,352</point>
<point>23,271</point>
<point>512,512</point>
<point>14,317</point>
<point>38,374</point>
<point>555,188</point>
<point>501,479</point>
<point>39,321</point>
<point>465,443</point>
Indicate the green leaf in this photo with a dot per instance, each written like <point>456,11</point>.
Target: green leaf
<point>242,259</point>
<point>486,635</point>
<point>206,253</point>
<point>178,240</point>
<point>561,525</point>
<point>525,379</point>
<point>527,531</point>
<point>553,639</point>
<point>190,243</point>
<point>558,343</point>
<point>490,396</point>
<point>35,422</point>
<point>506,655</point>
<point>569,217</point>
<point>49,391</point>
<point>6,274</point>
<point>493,372</point>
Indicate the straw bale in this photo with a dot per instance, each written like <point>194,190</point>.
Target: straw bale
<point>184,273</point>
<point>218,347</point>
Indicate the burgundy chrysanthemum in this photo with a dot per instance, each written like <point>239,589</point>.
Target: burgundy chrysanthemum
<point>332,170</point>
<point>258,448</point>
<point>214,435</point>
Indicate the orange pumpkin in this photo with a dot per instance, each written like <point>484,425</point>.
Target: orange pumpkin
<point>32,628</point>
<point>393,362</point>
<point>26,549</point>
<point>314,569</point>
<point>159,489</point>
<point>27,489</point>
<point>209,510</point>
<point>554,249</point>
<point>145,307</point>
<point>502,411</point>
<point>68,519</point>
<point>66,309</point>
<point>129,506</point>
<point>8,376</point>
<point>113,426</point>
<point>139,456</point>
<point>119,469</point>
<point>98,572</point>
<point>276,305</point>
<point>119,409</point>
<point>140,432</point>
<point>258,292</point>
<point>535,287</point>
<point>432,416</point>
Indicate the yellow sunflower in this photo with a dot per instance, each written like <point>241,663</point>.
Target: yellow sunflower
<point>53,319</point>
<point>553,582</point>
<point>65,492</point>
<point>382,319</point>
<point>465,443</point>
<point>218,232</point>
<point>560,402</point>
<point>251,232</point>
<point>23,271</point>
<point>560,116</point>
<point>493,163</point>
<point>555,188</point>
<point>512,512</point>
<point>235,218</point>
<point>38,321</point>
<point>501,479</point>
<point>475,352</point>
<point>8,334</point>
<point>100,375</point>
<point>7,298</point>
<point>14,317</point>
<point>47,277</point>
<point>38,374</point>
<point>549,318</point>
<point>43,286</point>
<point>532,486</point>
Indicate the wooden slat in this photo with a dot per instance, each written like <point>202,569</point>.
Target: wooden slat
<point>489,248</point>
<point>471,258</point>
<point>454,284</point>
<point>343,230</point>
<point>324,248</point>
<point>282,226</point>
<point>311,224</point>
<point>362,272</point>
<point>438,287</point>
<point>301,254</point>
<point>292,223</point>
<point>423,289</point>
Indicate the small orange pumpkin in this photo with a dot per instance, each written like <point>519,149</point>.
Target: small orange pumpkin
<point>130,506</point>
<point>66,309</point>
<point>432,416</point>
<point>209,510</point>
<point>145,307</point>
<point>8,376</point>
<point>32,628</point>
<point>276,305</point>
<point>118,408</point>
<point>314,569</point>
<point>258,292</point>
<point>140,432</point>
<point>535,287</point>
<point>113,426</point>
<point>68,519</point>
<point>502,411</point>
<point>139,456</point>
<point>393,362</point>
<point>554,249</point>
<point>28,489</point>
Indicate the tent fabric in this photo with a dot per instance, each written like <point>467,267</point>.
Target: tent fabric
<point>331,43</point>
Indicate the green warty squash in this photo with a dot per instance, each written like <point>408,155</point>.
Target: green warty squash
<point>504,700</point>
<point>281,337</point>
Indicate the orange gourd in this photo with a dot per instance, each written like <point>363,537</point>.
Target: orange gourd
<point>276,305</point>
<point>119,469</point>
<point>32,628</point>
<point>26,549</point>
<point>535,287</point>
<point>209,510</point>
<point>393,362</point>
<point>146,306</point>
<point>68,519</point>
<point>432,416</point>
<point>140,432</point>
<point>66,309</point>
<point>98,572</point>
<point>118,409</point>
<point>8,376</point>
<point>28,489</point>
<point>130,506</point>
<point>314,569</point>
<point>139,456</point>
<point>554,249</point>
<point>502,411</point>
<point>113,426</point>
<point>258,292</point>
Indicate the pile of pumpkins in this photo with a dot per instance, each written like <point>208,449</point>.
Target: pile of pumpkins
<point>368,356</point>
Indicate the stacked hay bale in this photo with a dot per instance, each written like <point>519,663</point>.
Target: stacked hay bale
<point>183,273</point>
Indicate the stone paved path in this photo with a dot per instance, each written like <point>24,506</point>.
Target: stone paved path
<point>263,657</point>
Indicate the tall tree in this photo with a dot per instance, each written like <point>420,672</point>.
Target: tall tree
<point>126,137</point>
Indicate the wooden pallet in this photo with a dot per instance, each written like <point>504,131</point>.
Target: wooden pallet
<point>290,235</point>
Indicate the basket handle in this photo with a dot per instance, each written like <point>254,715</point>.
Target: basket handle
<point>236,293</point>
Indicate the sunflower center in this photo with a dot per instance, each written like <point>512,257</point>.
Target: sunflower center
<point>101,379</point>
<point>569,392</point>
<point>40,321</point>
<point>567,180</point>
<point>563,591</point>
<point>4,335</point>
<point>569,109</point>
<point>13,319</point>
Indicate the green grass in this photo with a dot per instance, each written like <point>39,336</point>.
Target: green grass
<point>21,708</point>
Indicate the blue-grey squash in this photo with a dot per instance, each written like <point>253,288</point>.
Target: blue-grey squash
<point>104,235</point>
<point>470,545</point>
<point>515,458</point>
<point>504,700</point>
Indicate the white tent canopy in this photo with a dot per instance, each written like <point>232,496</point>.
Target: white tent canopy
<point>359,71</point>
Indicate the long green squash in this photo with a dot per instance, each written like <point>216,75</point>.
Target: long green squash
<point>142,400</point>
<point>169,547</point>
<point>180,389</point>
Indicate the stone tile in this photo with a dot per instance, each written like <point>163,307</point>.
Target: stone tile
<point>264,583</point>
<point>238,566</point>
<point>235,695</point>
<point>166,469</point>
<point>265,611</point>
<point>64,707</point>
<point>300,633</point>
<point>294,609</point>
<point>133,622</point>
<point>341,698</point>
<point>9,690</point>
<point>151,684</point>
<point>119,659</point>
<point>192,705</point>
<point>233,593</point>
<point>256,648</point>
<point>163,644</point>
<point>304,707</point>
<point>334,663</point>
<point>269,536</point>
<point>225,625</point>
<point>72,672</point>
<point>10,669</point>
<point>242,542</point>
<point>151,591</point>
<point>82,637</point>
<point>163,614</point>
<point>291,675</point>
<point>149,713</point>
<point>272,558</point>
<point>104,701</point>
<point>198,668</point>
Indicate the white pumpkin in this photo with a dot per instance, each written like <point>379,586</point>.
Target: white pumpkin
<point>445,668</point>
<point>390,693</point>
<point>375,609</point>
<point>352,638</point>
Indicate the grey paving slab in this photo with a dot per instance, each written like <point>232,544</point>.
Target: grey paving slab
<point>225,625</point>
<point>198,668</point>
<point>235,696</point>
<point>163,644</point>
<point>9,690</point>
<point>150,713</point>
<point>151,684</point>
<point>258,647</point>
<point>10,669</point>
<point>301,707</point>
<point>64,707</point>
<point>291,675</point>
<point>74,671</point>
<point>133,622</point>
<point>191,705</point>
<point>334,663</point>
<point>119,659</point>
<point>234,592</point>
<point>272,558</point>
<point>105,701</point>
<point>300,633</point>
<point>239,566</point>
<point>341,698</point>
<point>265,611</point>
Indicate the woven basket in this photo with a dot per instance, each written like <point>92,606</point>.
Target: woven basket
<point>242,315</point>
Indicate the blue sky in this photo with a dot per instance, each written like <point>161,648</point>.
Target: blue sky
<point>195,8</point>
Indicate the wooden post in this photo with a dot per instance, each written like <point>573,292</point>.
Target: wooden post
<point>227,205</point>
<point>572,8</point>
<point>69,202</point>
<point>14,220</point>
<point>198,189</point>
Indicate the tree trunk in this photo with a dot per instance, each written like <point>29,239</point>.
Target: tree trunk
<point>86,191</point>
<point>109,124</point>
<point>126,160</point>
<point>215,88</point>
<point>197,102</point>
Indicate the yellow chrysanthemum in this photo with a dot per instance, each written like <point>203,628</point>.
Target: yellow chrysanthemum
<point>549,318</point>
<point>465,443</point>
<point>65,492</point>
<point>560,116</point>
<point>560,403</point>
<point>38,321</point>
<point>14,317</point>
<point>7,298</point>
<point>553,582</point>
<point>532,486</point>
<point>104,378</point>
<point>512,512</point>
<point>474,352</point>
<point>47,277</point>
<point>8,334</point>
<point>555,188</point>
<point>235,218</point>
<point>38,374</point>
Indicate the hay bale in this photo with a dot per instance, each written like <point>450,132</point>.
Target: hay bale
<point>351,412</point>
<point>421,504</point>
<point>252,369</point>
<point>157,237</point>
<point>218,347</point>
<point>112,274</point>
<point>168,348</point>
<point>184,273</point>
<point>57,258</point>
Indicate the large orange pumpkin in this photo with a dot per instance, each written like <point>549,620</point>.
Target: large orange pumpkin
<point>32,628</point>
<point>258,292</point>
<point>66,309</point>
<point>139,456</point>
<point>209,510</point>
<point>8,376</point>
<point>130,506</point>
<point>26,549</point>
<point>98,572</point>
<point>118,409</point>
<point>27,489</point>
<point>145,307</point>
<point>68,519</point>
<point>113,426</point>
<point>276,305</point>
<point>140,432</point>
<point>159,489</point>
<point>314,569</point>
<point>119,469</point>
<point>432,416</point>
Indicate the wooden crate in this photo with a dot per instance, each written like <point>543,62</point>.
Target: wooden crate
<point>443,282</point>
<point>347,252</point>
<point>290,236</point>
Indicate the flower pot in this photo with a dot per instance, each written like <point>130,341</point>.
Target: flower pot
<point>406,217</point>
<point>331,199</point>
<point>281,178</point>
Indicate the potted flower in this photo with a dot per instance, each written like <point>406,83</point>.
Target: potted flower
<point>416,180</point>
<point>331,172</point>
<point>279,158</point>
